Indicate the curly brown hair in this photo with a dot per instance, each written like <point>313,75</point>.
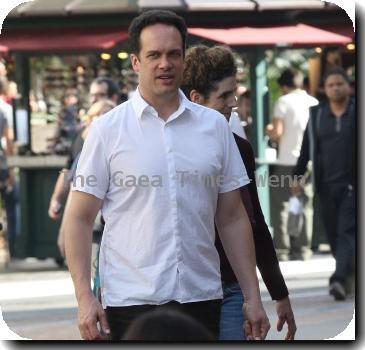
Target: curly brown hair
<point>205,66</point>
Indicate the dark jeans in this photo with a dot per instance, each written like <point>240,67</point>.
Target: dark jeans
<point>205,312</point>
<point>338,211</point>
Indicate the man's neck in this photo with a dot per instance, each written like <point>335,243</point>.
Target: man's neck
<point>164,105</point>
<point>339,107</point>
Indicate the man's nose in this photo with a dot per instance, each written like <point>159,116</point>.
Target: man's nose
<point>164,63</point>
<point>232,101</point>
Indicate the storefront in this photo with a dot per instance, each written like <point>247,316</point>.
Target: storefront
<point>73,41</point>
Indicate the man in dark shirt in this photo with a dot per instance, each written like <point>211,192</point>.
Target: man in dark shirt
<point>210,80</point>
<point>329,141</point>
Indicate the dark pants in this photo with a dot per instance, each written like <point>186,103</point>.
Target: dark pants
<point>338,211</point>
<point>205,312</point>
<point>10,201</point>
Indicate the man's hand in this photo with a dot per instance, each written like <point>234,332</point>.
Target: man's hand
<point>270,131</point>
<point>55,209</point>
<point>296,188</point>
<point>256,324</point>
<point>285,314</point>
<point>89,315</point>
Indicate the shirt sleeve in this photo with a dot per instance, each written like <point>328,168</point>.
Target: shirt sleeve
<point>92,173</point>
<point>280,109</point>
<point>233,174</point>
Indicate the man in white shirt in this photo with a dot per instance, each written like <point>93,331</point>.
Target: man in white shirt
<point>291,113</point>
<point>145,165</point>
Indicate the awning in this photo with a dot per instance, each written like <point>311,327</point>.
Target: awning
<point>299,34</point>
<point>57,39</point>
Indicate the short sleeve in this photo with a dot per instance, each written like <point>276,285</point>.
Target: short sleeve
<point>280,109</point>
<point>233,174</point>
<point>92,173</point>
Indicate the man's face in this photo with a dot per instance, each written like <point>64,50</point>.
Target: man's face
<point>98,92</point>
<point>160,61</point>
<point>223,98</point>
<point>336,88</point>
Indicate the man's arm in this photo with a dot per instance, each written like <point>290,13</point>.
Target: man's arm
<point>79,221</point>
<point>236,235</point>
<point>275,130</point>
<point>302,162</point>
<point>59,195</point>
<point>9,151</point>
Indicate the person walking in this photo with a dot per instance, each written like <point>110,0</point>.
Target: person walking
<point>8,188</point>
<point>210,80</point>
<point>329,142</point>
<point>145,163</point>
<point>101,88</point>
<point>291,113</point>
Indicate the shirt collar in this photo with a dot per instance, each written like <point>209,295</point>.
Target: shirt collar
<point>348,111</point>
<point>140,104</point>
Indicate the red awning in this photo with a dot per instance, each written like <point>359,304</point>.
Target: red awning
<point>299,34</point>
<point>53,39</point>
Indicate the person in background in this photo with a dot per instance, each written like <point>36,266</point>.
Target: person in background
<point>290,116</point>
<point>11,90</point>
<point>67,123</point>
<point>210,80</point>
<point>101,88</point>
<point>7,175</point>
<point>5,106</point>
<point>330,143</point>
<point>158,241</point>
<point>96,110</point>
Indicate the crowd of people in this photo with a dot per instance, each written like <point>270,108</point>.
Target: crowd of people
<point>173,253</point>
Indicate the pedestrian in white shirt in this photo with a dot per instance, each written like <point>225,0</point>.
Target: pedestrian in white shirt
<point>145,165</point>
<point>291,114</point>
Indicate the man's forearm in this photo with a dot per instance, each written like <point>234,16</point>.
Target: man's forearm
<point>78,240</point>
<point>62,187</point>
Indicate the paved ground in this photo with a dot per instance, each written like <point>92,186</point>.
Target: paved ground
<point>37,301</point>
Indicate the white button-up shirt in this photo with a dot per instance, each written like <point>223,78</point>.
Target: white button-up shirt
<point>159,182</point>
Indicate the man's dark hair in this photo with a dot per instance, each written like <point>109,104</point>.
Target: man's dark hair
<point>167,325</point>
<point>205,66</point>
<point>112,87</point>
<point>291,78</point>
<point>149,18</point>
<point>336,71</point>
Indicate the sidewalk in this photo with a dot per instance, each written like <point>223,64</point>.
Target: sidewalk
<point>319,262</point>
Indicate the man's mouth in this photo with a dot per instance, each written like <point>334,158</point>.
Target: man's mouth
<point>165,77</point>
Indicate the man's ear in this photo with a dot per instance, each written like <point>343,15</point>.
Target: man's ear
<point>196,97</point>
<point>134,62</point>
